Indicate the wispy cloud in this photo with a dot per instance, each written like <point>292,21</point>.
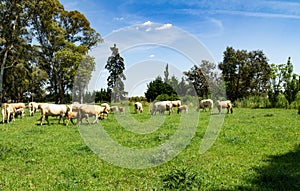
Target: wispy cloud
<point>259,14</point>
<point>119,18</point>
<point>164,26</point>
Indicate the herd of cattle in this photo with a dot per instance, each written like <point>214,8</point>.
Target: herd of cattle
<point>78,111</point>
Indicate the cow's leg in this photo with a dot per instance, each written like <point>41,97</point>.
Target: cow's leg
<point>46,118</point>
<point>42,119</point>
<point>96,119</point>
<point>8,117</point>
<point>87,118</point>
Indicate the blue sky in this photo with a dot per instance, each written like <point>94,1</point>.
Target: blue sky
<point>270,26</point>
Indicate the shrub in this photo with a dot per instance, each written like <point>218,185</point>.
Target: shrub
<point>181,179</point>
<point>282,102</point>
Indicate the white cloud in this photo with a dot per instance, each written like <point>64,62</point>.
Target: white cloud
<point>147,23</point>
<point>119,18</point>
<point>148,29</point>
<point>152,56</point>
<point>164,26</point>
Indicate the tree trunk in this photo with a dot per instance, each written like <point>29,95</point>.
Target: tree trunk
<point>1,75</point>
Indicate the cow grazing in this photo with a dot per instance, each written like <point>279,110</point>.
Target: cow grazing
<point>70,116</point>
<point>114,109</point>
<point>106,105</point>
<point>138,107</point>
<point>205,103</point>
<point>54,110</point>
<point>20,112</point>
<point>85,111</point>
<point>17,105</point>
<point>224,104</point>
<point>184,108</point>
<point>122,110</point>
<point>33,107</point>
<point>8,113</point>
<point>161,107</point>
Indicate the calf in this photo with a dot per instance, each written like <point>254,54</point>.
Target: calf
<point>184,108</point>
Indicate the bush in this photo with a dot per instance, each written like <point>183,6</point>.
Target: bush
<point>181,179</point>
<point>282,102</point>
<point>253,102</point>
<point>164,97</point>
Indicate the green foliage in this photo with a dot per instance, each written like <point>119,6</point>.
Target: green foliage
<point>104,95</point>
<point>253,102</point>
<point>245,73</point>
<point>164,97</point>
<point>282,102</point>
<point>158,87</point>
<point>115,66</point>
<point>43,35</point>
<point>181,179</point>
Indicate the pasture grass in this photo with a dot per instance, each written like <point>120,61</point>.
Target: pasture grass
<point>257,149</point>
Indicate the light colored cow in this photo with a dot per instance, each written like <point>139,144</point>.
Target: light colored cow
<point>138,107</point>
<point>122,110</point>
<point>85,111</point>
<point>106,105</point>
<point>183,108</point>
<point>8,113</point>
<point>20,112</point>
<point>114,109</point>
<point>70,116</point>
<point>33,107</point>
<point>54,110</point>
<point>176,103</point>
<point>205,103</point>
<point>224,104</point>
<point>161,107</point>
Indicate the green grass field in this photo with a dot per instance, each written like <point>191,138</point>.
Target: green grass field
<point>257,149</point>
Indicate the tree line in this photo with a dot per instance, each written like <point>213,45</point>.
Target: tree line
<point>44,56</point>
<point>243,75</point>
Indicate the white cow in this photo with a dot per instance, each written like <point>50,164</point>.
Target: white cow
<point>224,104</point>
<point>161,107</point>
<point>33,107</point>
<point>106,105</point>
<point>85,111</point>
<point>183,108</point>
<point>54,110</point>
<point>20,112</point>
<point>8,113</point>
<point>205,103</point>
<point>138,107</point>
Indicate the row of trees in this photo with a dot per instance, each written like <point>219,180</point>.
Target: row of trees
<point>42,48</point>
<point>244,74</point>
<point>44,51</point>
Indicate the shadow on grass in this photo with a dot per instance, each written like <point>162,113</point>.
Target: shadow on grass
<point>281,173</point>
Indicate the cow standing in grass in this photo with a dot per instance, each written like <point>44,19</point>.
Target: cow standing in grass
<point>138,107</point>
<point>32,107</point>
<point>161,107</point>
<point>225,104</point>
<point>81,111</point>
<point>8,113</point>
<point>182,108</point>
<point>205,103</point>
<point>54,110</point>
